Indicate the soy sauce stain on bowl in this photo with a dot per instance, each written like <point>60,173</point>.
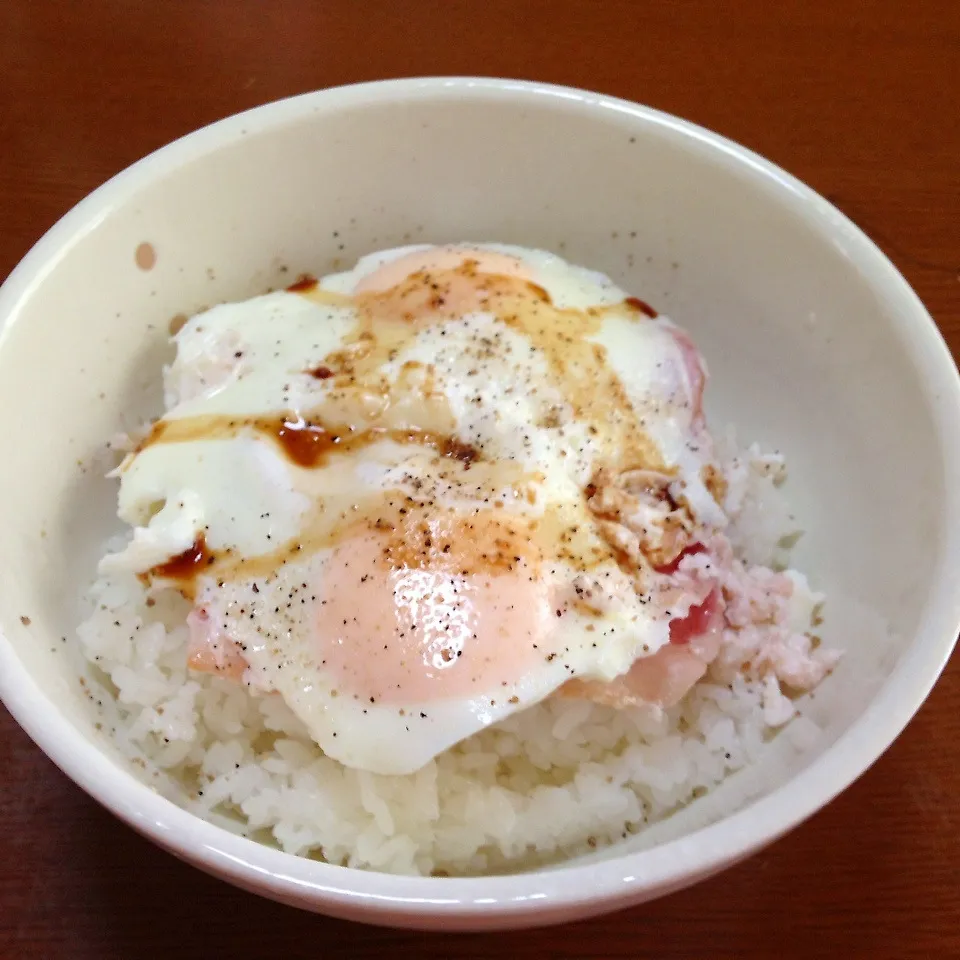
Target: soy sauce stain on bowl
<point>145,256</point>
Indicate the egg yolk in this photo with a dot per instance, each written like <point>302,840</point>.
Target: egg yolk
<point>437,259</point>
<point>451,607</point>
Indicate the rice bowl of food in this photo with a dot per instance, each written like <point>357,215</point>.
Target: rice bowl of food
<point>429,533</point>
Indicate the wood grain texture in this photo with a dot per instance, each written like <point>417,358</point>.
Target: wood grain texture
<point>856,98</point>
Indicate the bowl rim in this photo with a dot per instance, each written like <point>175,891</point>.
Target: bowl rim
<point>580,887</point>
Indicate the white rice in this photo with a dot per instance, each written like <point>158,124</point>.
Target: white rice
<point>561,778</point>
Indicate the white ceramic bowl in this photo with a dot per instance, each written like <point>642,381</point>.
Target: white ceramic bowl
<point>816,344</point>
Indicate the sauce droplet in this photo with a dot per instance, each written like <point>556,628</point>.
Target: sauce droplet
<point>305,443</point>
<point>642,306</point>
<point>303,284</point>
<point>186,565</point>
<point>145,256</point>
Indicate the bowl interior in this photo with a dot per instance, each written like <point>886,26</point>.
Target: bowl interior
<point>811,351</point>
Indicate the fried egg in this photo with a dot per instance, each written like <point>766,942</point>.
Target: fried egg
<point>387,492</point>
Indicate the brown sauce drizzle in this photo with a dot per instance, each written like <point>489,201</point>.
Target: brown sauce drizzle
<point>389,319</point>
<point>539,291</point>
<point>642,306</point>
<point>341,423</point>
<point>303,284</point>
<point>307,443</point>
<point>186,565</point>
<point>457,450</point>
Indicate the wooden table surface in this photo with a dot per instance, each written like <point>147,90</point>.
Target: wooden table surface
<point>856,98</point>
